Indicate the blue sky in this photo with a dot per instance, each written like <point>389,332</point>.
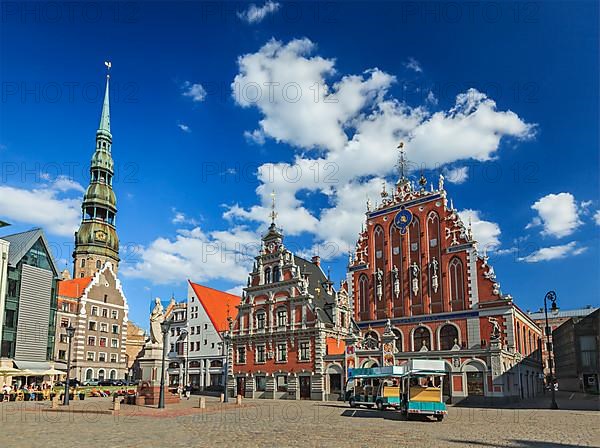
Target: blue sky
<point>501,97</point>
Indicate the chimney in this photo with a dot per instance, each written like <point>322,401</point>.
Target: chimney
<point>316,260</point>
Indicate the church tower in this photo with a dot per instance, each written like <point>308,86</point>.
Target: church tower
<point>96,241</point>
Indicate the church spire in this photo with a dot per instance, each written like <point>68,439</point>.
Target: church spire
<point>273,213</point>
<point>104,127</point>
<point>96,241</point>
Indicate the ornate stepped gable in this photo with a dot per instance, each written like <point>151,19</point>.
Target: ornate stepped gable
<point>416,256</point>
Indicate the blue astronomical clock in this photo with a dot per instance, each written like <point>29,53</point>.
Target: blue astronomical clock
<point>402,220</point>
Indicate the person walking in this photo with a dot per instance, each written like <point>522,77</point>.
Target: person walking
<point>188,391</point>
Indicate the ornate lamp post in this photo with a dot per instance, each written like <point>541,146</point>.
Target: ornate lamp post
<point>226,344</point>
<point>165,325</point>
<point>70,334</point>
<point>550,296</point>
<point>183,340</point>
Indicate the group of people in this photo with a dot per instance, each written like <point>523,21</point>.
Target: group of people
<point>187,390</point>
<point>28,390</point>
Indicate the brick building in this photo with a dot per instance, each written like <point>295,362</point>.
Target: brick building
<point>555,320</point>
<point>421,289</point>
<point>289,335</point>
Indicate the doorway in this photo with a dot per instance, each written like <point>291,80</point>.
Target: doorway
<point>304,387</point>
<point>241,385</point>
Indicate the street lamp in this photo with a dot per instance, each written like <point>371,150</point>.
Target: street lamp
<point>70,333</point>
<point>183,339</point>
<point>550,296</point>
<point>226,342</point>
<point>165,325</point>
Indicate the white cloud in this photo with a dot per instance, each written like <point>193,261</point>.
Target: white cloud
<point>413,64</point>
<point>256,136</point>
<point>486,233</point>
<point>597,217</point>
<point>348,135</point>
<point>195,254</point>
<point>181,218</point>
<point>457,175</point>
<point>431,98</point>
<point>194,91</point>
<point>554,253</point>
<point>46,206</point>
<point>557,213</point>
<point>256,14</point>
<point>184,127</point>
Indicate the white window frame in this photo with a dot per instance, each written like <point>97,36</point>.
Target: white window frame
<point>256,360</point>
<point>88,341</point>
<point>300,359</point>
<point>114,314</point>
<point>114,343</point>
<point>100,356</point>
<point>90,358</point>
<point>94,311</point>
<point>116,357</point>
<point>278,352</point>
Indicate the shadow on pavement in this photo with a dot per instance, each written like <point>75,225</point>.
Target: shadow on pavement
<point>517,443</point>
<point>567,401</point>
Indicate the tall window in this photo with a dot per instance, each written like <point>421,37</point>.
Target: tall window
<point>398,342</point>
<point>433,237</point>
<point>448,337</point>
<point>363,291</point>
<point>415,257</point>
<point>396,257</point>
<point>268,275</point>
<point>421,338</point>
<point>241,355</point>
<point>276,274</point>
<point>457,284</point>
<point>89,373</point>
<point>282,352</point>
<point>281,318</point>
<point>304,351</point>
<point>379,240</point>
<point>261,320</point>
<point>98,264</point>
<point>260,353</point>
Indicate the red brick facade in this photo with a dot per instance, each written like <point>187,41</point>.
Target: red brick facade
<point>420,288</point>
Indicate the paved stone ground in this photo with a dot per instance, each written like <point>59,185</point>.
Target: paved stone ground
<point>271,423</point>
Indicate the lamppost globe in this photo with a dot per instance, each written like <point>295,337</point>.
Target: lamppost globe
<point>70,331</point>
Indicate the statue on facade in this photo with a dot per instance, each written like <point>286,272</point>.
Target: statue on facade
<point>379,275</point>
<point>415,278</point>
<point>157,316</point>
<point>434,276</point>
<point>396,278</point>
<point>496,331</point>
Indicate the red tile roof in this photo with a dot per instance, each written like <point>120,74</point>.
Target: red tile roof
<point>73,288</point>
<point>218,304</point>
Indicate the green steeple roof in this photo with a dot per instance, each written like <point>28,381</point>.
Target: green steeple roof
<point>104,127</point>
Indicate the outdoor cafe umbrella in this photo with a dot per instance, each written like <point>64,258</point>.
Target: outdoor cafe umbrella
<point>53,371</point>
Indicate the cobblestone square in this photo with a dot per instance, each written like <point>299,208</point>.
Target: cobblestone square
<point>279,423</point>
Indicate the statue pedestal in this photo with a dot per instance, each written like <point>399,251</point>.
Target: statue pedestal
<point>149,387</point>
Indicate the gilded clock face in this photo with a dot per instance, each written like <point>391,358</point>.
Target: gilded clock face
<point>100,235</point>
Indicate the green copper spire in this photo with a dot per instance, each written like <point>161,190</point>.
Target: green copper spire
<point>96,241</point>
<point>104,127</point>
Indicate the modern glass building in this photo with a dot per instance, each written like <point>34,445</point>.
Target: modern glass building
<point>29,304</point>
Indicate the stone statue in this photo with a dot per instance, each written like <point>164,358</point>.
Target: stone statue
<point>379,275</point>
<point>396,281</point>
<point>415,280</point>
<point>434,276</point>
<point>496,331</point>
<point>157,316</point>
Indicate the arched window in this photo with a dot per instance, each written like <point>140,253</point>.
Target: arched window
<point>379,240</point>
<point>421,338</point>
<point>194,364</point>
<point>89,374</point>
<point>267,275</point>
<point>435,255</point>
<point>398,342</point>
<point>82,264</point>
<point>98,264</point>
<point>457,284</point>
<point>363,292</point>
<point>276,274</point>
<point>216,363</point>
<point>371,340</point>
<point>397,265</point>
<point>101,374</point>
<point>415,257</point>
<point>448,337</point>
<point>173,365</point>
<point>113,375</point>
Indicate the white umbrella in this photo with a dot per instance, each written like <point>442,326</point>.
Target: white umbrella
<point>53,371</point>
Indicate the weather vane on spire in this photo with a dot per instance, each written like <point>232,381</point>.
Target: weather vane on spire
<point>273,212</point>
<point>108,66</point>
<point>401,161</point>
